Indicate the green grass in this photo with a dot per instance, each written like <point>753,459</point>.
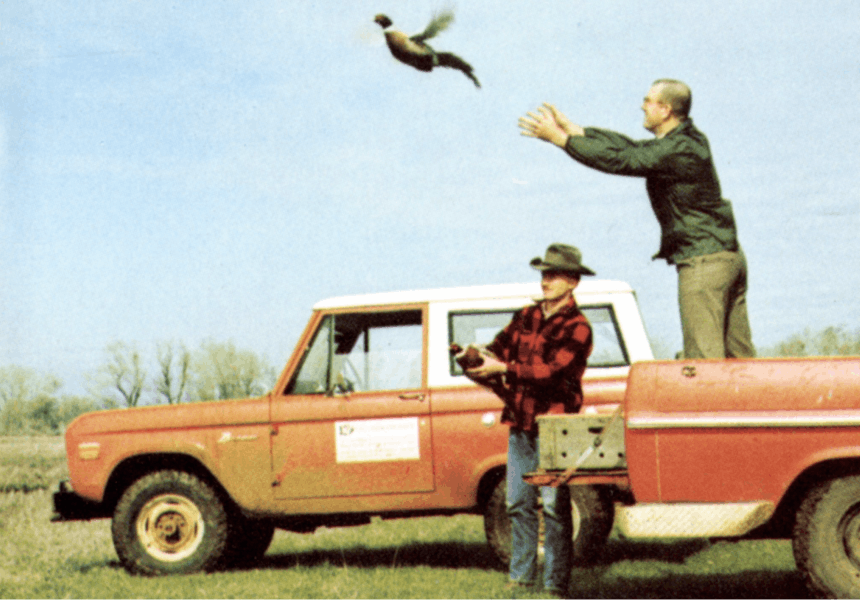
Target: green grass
<point>438,557</point>
<point>31,463</point>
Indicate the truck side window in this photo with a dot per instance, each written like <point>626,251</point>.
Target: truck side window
<point>481,327</point>
<point>609,350</point>
<point>365,352</point>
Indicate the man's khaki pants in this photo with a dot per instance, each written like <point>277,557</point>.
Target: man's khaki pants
<point>712,298</point>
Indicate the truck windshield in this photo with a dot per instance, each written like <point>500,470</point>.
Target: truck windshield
<point>362,352</point>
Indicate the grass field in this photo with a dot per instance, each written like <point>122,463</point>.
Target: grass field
<point>438,557</point>
<point>31,463</point>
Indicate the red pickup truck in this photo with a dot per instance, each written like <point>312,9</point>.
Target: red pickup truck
<point>708,448</point>
<point>371,416</point>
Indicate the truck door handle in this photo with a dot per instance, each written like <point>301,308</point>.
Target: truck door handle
<point>419,397</point>
<point>688,371</point>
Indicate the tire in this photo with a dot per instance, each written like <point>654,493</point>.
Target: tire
<point>248,540</point>
<point>170,522</point>
<point>826,539</point>
<point>592,511</point>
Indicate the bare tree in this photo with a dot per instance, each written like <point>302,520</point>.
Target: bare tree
<point>123,374</point>
<point>174,367</point>
<point>223,372</point>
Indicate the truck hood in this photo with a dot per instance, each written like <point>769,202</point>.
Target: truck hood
<point>176,416</point>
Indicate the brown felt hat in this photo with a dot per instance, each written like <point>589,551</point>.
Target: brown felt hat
<point>561,257</point>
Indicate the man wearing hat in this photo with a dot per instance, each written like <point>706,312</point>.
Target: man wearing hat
<point>542,354</point>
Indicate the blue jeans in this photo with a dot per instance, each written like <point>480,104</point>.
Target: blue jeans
<point>523,458</point>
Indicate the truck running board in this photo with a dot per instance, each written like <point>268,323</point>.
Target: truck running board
<point>692,520</point>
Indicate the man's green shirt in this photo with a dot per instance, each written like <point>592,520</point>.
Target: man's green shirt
<point>681,181</point>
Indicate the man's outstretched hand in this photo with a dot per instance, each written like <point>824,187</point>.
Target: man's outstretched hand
<point>549,124</point>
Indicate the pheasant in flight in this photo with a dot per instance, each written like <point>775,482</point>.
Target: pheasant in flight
<point>415,52</point>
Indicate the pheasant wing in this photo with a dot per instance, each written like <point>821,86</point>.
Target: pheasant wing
<point>438,23</point>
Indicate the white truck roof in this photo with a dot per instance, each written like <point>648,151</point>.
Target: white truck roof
<point>479,292</point>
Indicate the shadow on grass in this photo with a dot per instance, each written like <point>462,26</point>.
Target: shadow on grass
<point>454,555</point>
<point>656,563</point>
<point>676,552</point>
<point>443,555</point>
<point>594,583</point>
<point>656,559</point>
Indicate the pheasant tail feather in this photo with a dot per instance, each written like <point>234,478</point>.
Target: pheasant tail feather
<point>452,61</point>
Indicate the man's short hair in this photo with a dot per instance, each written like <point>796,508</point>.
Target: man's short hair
<point>677,95</point>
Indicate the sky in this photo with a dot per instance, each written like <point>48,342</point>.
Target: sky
<point>184,171</point>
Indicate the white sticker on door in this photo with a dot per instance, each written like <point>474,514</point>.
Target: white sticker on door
<point>376,440</point>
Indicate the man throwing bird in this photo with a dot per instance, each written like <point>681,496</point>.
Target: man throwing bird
<point>698,228</point>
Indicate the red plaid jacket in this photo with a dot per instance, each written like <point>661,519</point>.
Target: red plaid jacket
<point>546,359</point>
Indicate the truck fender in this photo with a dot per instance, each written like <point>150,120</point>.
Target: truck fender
<point>184,455</point>
<point>825,463</point>
<point>486,474</point>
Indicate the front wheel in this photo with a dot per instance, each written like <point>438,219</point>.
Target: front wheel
<point>592,514</point>
<point>826,540</point>
<point>169,522</point>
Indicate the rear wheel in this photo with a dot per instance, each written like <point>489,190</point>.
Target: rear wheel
<point>826,538</point>
<point>169,522</point>
<point>592,514</point>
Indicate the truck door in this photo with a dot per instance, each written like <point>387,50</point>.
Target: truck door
<point>355,418</point>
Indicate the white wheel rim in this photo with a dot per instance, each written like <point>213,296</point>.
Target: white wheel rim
<point>170,527</point>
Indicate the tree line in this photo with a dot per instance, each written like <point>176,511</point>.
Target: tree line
<point>31,402</point>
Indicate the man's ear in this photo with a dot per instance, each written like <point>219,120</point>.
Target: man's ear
<point>667,111</point>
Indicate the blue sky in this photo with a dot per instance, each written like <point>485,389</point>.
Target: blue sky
<point>184,171</point>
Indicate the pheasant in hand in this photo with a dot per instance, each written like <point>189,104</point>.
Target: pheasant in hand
<point>414,52</point>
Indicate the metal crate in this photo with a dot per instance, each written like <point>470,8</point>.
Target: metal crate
<point>565,438</point>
